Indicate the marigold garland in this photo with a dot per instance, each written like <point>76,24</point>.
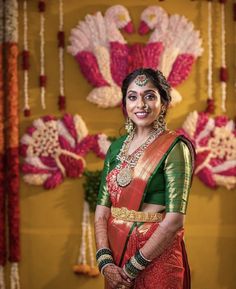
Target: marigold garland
<point>91,188</point>
<point>12,136</point>
<point>83,266</point>
<point>2,172</point>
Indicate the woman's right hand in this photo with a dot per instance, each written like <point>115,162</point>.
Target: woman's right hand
<point>116,277</point>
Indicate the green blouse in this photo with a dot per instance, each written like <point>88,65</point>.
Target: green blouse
<point>169,184</point>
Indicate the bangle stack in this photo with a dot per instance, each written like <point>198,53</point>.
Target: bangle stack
<point>104,258</point>
<point>135,265</point>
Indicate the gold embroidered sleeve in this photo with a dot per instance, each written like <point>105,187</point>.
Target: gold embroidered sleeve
<point>178,174</point>
<point>103,195</point>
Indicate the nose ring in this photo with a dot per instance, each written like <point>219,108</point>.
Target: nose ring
<point>146,107</point>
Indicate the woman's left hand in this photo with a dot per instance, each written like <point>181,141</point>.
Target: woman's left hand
<point>116,277</point>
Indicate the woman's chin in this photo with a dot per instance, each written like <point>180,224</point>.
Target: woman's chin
<point>143,124</point>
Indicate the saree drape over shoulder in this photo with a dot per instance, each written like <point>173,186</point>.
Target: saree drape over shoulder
<point>161,176</point>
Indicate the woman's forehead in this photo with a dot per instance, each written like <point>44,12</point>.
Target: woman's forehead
<point>135,86</point>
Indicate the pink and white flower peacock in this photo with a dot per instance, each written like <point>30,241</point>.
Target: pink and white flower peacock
<point>105,57</point>
<point>55,148</point>
<point>101,51</point>
<point>173,47</point>
<point>215,143</point>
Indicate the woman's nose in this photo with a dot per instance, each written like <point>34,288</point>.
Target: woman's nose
<point>140,102</point>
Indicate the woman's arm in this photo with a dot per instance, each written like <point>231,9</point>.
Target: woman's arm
<point>102,214</point>
<point>163,235</point>
<point>114,274</point>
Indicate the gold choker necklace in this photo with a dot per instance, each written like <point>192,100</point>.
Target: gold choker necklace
<point>125,175</point>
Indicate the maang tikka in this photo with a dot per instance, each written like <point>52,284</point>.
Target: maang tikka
<point>141,80</point>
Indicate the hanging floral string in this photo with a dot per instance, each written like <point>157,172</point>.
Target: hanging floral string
<point>82,266</point>
<point>42,77</point>
<point>12,137</point>
<point>25,60</point>
<point>213,137</point>
<point>234,11</point>
<point>2,192</point>
<point>234,18</point>
<point>61,46</point>
<point>210,101</point>
<point>223,69</point>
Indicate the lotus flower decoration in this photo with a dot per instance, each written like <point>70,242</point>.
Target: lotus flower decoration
<point>54,149</point>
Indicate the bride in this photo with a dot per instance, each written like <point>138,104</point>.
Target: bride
<point>144,192</point>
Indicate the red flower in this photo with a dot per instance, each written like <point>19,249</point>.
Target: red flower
<point>74,168</point>
<point>61,39</point>
<point>223,74</point>
<point>42,80</point>
<point>25,60</point>
<point>62,102</point>
<point>41,6</point>
<point>27,112</point>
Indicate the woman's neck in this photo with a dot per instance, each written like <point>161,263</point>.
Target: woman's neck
<point>142,132</point>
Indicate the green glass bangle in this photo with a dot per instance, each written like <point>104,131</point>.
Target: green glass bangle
<point>136,264</point>
<point>133,271</point>
<point>103,263</point>
<point>103,251</point>
<point>141,260</point>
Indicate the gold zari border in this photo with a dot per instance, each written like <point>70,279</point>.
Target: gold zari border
<point>135,216</point>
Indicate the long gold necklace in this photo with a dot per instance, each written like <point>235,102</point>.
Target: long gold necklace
<point>125,175</point>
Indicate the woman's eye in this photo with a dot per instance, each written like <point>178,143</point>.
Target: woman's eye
<point>132,97</point>
<point>150,96</point>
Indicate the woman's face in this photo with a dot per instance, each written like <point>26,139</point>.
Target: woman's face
<point>143,103</point>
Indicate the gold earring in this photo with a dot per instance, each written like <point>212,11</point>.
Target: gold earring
<point>129,125</point>
<point>160,122</point>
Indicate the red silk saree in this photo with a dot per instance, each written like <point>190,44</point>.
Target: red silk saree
<point>168,271</point>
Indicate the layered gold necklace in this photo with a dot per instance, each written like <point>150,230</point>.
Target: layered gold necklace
<point>125,175</point>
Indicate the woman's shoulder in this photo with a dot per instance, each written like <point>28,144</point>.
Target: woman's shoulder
<point>180,149</point>
<point>180,140</point>
<point>116,144</point>
<point>118,141</point>
<point>115,147</point>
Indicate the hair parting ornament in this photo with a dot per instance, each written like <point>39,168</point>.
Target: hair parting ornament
<point>141,80</point>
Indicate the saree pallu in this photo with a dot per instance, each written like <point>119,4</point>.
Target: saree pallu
<point>168,271</point>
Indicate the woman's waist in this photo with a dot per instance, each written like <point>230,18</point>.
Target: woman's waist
<point>124,214</point>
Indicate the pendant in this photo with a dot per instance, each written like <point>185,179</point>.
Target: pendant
<point>124,177</point>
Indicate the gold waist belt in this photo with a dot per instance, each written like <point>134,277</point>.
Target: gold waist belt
<point>135,216</point>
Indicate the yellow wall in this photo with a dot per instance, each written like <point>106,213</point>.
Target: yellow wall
<point>50,220</point>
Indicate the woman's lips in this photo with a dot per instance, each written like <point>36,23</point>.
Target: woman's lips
<point>141,115</point>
